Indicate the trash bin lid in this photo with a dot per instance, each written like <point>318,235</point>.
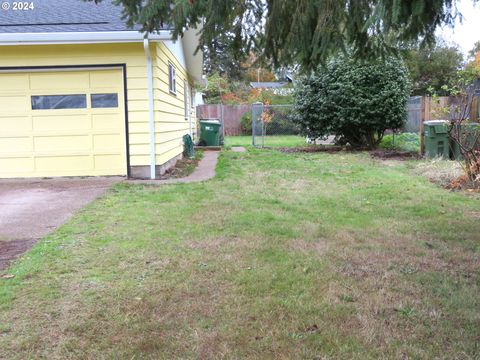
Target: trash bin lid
<point>210,121</point>
<point>440,126</point>
<point>436,122</point>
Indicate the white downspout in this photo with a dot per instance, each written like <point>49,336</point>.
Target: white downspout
<point>151,113</point>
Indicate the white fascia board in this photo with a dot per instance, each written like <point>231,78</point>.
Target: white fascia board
<point>176,47</point>
<point>80,37</point>
<point>194,61</point>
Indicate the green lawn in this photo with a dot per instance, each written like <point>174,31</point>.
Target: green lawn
<point>270,141</point>
<point>281,256</point>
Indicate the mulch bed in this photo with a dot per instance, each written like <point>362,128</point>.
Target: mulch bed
<point>182,168</point>
<point>380,154</point>
<point>310,149</point>
<point>395,155</point>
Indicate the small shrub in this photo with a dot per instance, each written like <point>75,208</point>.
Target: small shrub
<point>283,123</point>
<point>246,123</point>
<point>403,142</point>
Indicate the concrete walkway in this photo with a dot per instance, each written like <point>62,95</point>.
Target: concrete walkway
<point>239,149</point>
<point>204,171</point>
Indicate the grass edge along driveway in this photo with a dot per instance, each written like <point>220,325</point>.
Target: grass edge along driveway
<point>280,256</point>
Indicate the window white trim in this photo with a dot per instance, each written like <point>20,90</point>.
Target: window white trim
<point>172,79</point>
<point>192,97</point>
<point>186,105</point>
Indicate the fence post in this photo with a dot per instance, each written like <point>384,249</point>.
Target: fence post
<point>257,109</point>
<point>222,112</point>
<point>425,110</point>
<point>474,111</point>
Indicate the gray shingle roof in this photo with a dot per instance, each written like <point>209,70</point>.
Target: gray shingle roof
<point>63,16</point>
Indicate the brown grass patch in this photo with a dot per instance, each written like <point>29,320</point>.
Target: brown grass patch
<point>438,171</point>
<point>320,246</point>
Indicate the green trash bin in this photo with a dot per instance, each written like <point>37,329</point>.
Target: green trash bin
<point>210,132</point>
<point>436,139</point>
<point>469,132</point>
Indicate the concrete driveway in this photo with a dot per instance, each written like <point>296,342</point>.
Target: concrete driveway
<point>31,209</point>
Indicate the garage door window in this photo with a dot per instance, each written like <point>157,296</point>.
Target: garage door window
<point>104,100</point>
<point>50,102</point>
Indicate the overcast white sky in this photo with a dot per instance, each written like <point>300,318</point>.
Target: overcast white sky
<point>467,33</point>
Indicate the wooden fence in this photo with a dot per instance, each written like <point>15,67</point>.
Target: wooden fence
<point>229,115</point>
<point>421,109</point>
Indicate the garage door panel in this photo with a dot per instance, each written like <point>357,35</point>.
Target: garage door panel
<point>16,166</point>
<point>14,105</point>
<point>65,123</point>
<point>104,121</point>
<point>13,82</point>
<point>108,161</point>
<point>103,79</point>
<point>107,142</point>
<point>61,80</point>
<point>57,164</point>
<point>9,145</point>
<point>60,144</point>
<point>14,124</point>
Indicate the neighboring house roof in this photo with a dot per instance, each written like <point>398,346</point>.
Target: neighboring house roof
<point>64,16</point>
<point>267,85</point>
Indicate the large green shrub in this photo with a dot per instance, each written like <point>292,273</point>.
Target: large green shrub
<point>355,101</point>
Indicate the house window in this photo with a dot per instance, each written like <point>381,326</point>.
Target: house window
<point>172,79</point>
<point>50,102</point>
<point>104,100</point>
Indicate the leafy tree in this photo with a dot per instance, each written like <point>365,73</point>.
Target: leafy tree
<point>475,50</point>
<point>265,75</point>
<point>433,67</point>
<point>306,32</point>
<point>355,101</point>
<point>222,90</point>
<point>217,86</point>
<point>220,58</point>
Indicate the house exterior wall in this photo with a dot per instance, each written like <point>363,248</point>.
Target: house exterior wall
<point>170,123</point>
<point>170,120</point>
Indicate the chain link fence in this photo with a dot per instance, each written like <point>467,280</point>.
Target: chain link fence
<point>274,125</point>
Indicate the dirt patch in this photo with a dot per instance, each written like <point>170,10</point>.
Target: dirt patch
<point>311,149</point>
<point>9,250</point>
<point>378,154</point>
<point>394,155</point>
<point>384,264</point>
<point>183,167</point>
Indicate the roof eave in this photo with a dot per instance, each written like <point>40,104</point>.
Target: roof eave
<point>80,37</point>
<point>194,56</point>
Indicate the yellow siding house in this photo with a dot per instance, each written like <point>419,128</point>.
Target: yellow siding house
<point>82,95</point>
